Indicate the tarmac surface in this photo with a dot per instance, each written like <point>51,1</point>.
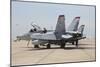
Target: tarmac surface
<point>23,55</point>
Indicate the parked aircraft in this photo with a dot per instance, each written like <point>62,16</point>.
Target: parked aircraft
<point>60,36</point>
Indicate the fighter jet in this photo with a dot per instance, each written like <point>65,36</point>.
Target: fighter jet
<point>60,36</point>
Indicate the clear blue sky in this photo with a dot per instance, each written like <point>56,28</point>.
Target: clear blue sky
<point>45,15</point>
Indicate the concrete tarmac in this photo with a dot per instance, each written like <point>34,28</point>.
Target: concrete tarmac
<point>23,55</point>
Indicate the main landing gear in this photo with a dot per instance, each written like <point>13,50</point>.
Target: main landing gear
<point>48,46</point>
<point>36,46</point>
<point>77,43</point>
<point>73,43</point>
<point>62,45</point>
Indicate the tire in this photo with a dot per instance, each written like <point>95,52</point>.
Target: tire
<point>72,43</point>
<point>36,46</point>
<point>62,45</point>
<point>48,46</point>
<point>77,43</point>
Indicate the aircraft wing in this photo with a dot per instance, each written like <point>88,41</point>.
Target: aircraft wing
<point>50,30</point>
<point>73,32</point>
<point>44,36</point>
<point>66,36</point>
<point>69,37</point>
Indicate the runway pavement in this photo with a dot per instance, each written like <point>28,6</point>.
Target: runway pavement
<point>23,55</point>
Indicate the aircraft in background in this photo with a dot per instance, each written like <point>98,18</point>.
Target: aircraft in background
<point>59,36</point>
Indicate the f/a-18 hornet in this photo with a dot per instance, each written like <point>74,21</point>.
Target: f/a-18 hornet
<point>59,36</point>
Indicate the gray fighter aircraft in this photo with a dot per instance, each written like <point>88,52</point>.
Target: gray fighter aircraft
<point>60,36</point>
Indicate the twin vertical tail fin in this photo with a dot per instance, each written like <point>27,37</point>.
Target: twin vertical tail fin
<point>60,27</point>
<point>74,25</point>
<point>81,29</point>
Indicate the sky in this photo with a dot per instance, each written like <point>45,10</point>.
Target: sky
<point>46,15</point>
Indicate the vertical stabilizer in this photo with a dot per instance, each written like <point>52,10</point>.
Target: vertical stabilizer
<point>60,27</point>
<point>74,25</point>
<point>81,29</point>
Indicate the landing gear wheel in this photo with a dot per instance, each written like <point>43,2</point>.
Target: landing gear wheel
<point>77,43</point>
<point>36,46</point>
<point>62,45</point>
<point>48,46</point>
<point>72,43</point>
